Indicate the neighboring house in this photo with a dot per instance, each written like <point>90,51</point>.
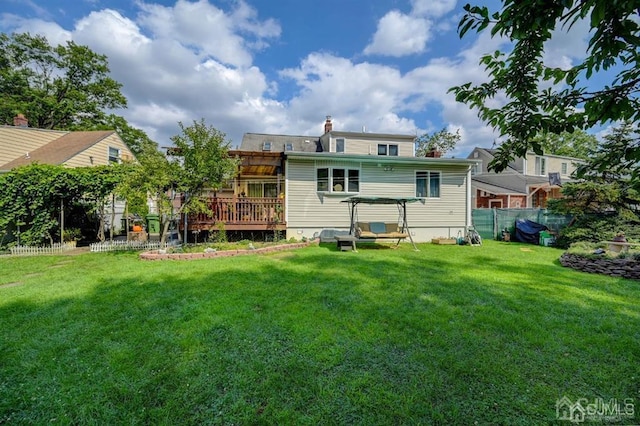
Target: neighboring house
<point>318,173</point>
<point>21,145</point>
<point>526,182</point>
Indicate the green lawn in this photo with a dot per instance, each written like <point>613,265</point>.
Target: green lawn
<point>448,335</point>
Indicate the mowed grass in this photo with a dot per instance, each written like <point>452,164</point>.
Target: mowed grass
<point>447,335</point>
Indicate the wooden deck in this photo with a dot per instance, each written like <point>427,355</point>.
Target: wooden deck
<point>241,214</point>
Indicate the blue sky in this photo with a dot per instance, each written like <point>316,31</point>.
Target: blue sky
<point>281,66</point>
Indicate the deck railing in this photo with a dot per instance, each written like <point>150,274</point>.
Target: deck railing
<point>243,211</point>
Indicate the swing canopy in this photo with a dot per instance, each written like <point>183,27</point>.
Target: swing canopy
<point>395,231</point>
<point>380,200</point>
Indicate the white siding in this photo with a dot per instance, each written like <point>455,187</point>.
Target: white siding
<point>309,211</point>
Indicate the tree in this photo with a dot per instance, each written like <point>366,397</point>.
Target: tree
<point>604,200</point>
<point>441,142</point>
<point>201,162</point>
<point>544,99</point>
<point>578,144</point>
<point>152,177</point>
<point>64,87</point>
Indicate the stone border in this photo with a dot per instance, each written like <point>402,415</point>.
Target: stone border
<point>154,255</point>
<point>623,268</point>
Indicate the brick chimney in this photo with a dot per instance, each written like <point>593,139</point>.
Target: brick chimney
<point>20,121</point>
<point>328,125</point>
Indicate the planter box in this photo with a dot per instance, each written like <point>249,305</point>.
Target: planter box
<point>451,241</point>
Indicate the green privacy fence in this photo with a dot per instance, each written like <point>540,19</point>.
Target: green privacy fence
<point>490,222</point>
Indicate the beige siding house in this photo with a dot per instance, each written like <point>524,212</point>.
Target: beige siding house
<point>20,146</point>
<point>315,189</point>
<point>378,165</point>
<point>315,174</point>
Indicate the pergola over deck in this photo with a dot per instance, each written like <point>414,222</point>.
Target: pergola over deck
<point>400,202</point>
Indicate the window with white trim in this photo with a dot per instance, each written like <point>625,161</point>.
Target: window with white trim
<point>340,145</point>
<point>388,149</point>
<point>334,179</point>
<point>564,168</point>
<point>541,166</point>
<point>428,184</point>
<point>114,155</point>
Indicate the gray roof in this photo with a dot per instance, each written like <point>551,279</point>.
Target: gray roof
<point>279,143</point>
<point>508,182</point>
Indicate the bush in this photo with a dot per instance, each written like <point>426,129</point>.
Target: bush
<point>597,228</point>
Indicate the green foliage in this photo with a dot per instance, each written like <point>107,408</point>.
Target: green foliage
<point>442,141</point>
<point>578,144</point>
<point>33,195</point>
<point>62,87</point>
<point>203,162</point>
<point>72,234</point>
<point>542,99</point>
<point>606,199</point>
<point>219,235</point>
<point>596,228</point>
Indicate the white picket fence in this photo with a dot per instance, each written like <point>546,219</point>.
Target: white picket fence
<point>127,245</point>
<point>53,249</point>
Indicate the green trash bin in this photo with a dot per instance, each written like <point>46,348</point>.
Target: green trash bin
<point>153,224</point>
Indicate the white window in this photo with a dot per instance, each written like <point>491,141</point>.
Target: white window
<point>340,145</point>
<point>337,180</point>
<point>476,169</point>
<point>388,149</point>
<point>564,168</point>
<point>288,146</point>
<point>266,146</point>
<point>428,184</point>
<point>114,155</point>
<point>541,166</point>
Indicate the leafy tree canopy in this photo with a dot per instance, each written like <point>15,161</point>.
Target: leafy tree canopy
<point>32,196</point>
<point>578,144</point>
<point>203,160</point>
<point>442,141</point>
<point>544,99</point>
<point>64,87</point>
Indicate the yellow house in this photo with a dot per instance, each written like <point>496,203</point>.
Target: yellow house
<point>22,145</point>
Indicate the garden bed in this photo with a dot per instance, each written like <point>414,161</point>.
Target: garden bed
<point>615,267</point>
<point>164,255</point>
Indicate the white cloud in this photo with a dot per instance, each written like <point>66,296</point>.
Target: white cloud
<point>566,46</point>
<point>54,33</point>
<point>193,60</point>
<point>399,35</point>
<point>434,8</point>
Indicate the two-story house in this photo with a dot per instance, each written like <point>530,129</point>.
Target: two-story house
<point>526,182</point>
<point>318,173</point>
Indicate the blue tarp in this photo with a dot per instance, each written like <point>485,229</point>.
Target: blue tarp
<point>528,231</point>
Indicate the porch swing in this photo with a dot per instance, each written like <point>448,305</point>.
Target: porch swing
<point>360,231</point>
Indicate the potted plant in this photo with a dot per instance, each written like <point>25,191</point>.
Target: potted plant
<point>71,236</point>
